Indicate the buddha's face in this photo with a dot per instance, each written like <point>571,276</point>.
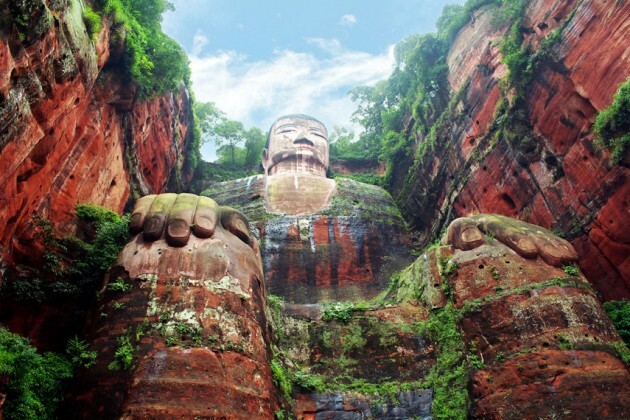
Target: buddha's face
<point>297,140</point>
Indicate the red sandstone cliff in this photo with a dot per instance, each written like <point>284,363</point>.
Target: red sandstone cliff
<point>70,130</point>
<point>542,166</point>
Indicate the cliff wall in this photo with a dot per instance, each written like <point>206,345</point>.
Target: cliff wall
<point>71,130</point>
<point>532,156</point>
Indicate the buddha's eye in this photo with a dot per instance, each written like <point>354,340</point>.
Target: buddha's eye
<point>287,130</point>
<point>319,135</point>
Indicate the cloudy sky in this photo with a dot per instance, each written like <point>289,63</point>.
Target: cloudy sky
<point>259,59</point>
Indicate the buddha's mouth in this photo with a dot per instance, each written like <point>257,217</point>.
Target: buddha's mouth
<point>303,143</point>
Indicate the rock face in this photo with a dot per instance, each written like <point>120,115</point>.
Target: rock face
<point>70,129</point>
<point>347,251</point>
<point>540,336</point>
<point>539,162</point>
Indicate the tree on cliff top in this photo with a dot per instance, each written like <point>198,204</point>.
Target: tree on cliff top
<point>152,60</point>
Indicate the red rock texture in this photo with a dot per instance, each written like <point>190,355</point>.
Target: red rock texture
<point>346,251</point>
<point>547,170</point>
<point>196,319</point>
<point>547,344</point>
<point>357,167</point>
<point>71,132</point>
<point>553,384</point>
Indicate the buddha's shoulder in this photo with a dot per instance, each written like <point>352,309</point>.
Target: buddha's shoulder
<point>236,192</point>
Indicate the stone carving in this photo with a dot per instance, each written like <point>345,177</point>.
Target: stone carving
<point>194,318</point>
<point>541,332</point>
<point>527,240</point>
<point>296,160</point>
<point>196,278</point>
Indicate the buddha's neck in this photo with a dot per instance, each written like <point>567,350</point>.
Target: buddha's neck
<point>298,167</point>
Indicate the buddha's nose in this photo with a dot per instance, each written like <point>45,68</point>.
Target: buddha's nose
<point>301,135</point>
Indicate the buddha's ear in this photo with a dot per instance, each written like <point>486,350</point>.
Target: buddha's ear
<point>265,158</point>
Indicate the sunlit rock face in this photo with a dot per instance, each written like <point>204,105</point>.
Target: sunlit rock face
<point>193,316</point>
<point>70,129</point>
<point>546,168</point>
<point>321,239</point>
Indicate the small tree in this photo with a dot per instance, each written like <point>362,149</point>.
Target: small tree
<point>255,141</point>
<point>208,116</point>
<point>229,133</point>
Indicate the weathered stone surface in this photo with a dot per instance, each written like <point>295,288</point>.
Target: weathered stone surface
<point>407,404</point>
<point>346,251</point>
<point>296,194</point>
<point>195,320</point>
<point>553,384</point>
<point>377,348</point>
<point>546,170</point>
<point>70,131</point>
<point>545,340</point>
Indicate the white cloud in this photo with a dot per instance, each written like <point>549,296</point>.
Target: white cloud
<point>199,42</point>
<point>258,92</point>
<point>348,20</point>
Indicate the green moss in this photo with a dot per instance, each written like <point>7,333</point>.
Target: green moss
<point>449,375</point>
<point>373,179</point>
<point>471,306</point>
<point>622,351</point>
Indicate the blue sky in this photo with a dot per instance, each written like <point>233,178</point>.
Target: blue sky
<point>259,59</point>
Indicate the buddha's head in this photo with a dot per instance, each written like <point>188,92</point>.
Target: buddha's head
<point>296,143</point>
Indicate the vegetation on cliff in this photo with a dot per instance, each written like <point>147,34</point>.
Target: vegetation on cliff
<point>71,268</point>
<point>612,126</point>
<point>34,383</point>
<point>399,114</point>
<point>619,313</point>
<point>152,60</point>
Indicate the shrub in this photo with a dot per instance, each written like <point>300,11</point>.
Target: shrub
<point>123,357</point>
<point>78,352</point>
<point>96,214</point>
<point>119,285</point>
<point>338,311</point>
<point>110,239</point>
<point>281,379</point>
<point>36,382</point>
<point>619,313</point>
<point>612,125</point>
<point>93,22</point>
<point>571,270</point>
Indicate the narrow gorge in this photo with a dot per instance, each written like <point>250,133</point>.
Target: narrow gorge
<point>467,256</point>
